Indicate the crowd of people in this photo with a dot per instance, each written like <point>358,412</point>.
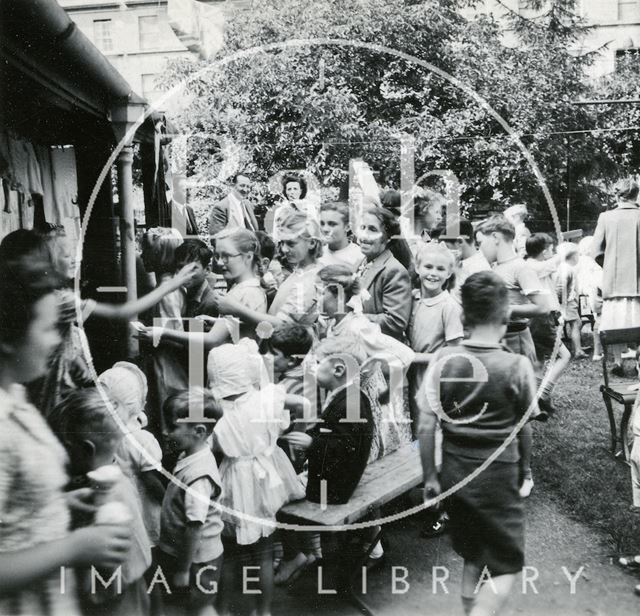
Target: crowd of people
<point>336,341</point>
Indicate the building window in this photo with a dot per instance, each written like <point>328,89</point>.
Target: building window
<point>628,10</point>
<point>150,89</point>
<point>102,34</point>
<point>149,31</point>
<point>626,56</point>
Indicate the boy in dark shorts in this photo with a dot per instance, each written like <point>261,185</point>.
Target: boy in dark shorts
<point>481,394</point>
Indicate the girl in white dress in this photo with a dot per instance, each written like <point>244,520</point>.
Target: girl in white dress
<point>257,476</point>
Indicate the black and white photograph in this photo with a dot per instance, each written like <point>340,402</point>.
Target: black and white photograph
<point>319,307</point>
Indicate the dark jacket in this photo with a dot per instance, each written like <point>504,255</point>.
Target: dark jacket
<point>340,450</point>
<point>219,216</point>
<point>389,285</point>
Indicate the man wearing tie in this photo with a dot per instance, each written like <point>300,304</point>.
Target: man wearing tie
<point>234,210</point>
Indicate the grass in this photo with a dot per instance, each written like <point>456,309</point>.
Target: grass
<point>572,460</point>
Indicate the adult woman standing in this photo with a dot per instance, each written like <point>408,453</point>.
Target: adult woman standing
<point>617,238</point>
<point>382,275</point>
<point>296,299</point>
<point>294,199</point>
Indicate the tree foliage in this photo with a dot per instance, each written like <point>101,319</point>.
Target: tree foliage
<point>317,106</point>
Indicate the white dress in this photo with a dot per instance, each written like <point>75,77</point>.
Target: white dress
<point>257,476</point>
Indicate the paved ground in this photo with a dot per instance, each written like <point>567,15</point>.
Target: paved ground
<point>553,541</point>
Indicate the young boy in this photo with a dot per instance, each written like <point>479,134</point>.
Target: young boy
<point>84,424</point>
<point>340,445</point>
<point>200,295</point>
<point>190,524</point>
<point>526,296</point>
<point>289,344</point>
<point>267,252</point>
<point>568,294</point>
<point>477,415</point>
<point>527,299</point>
<point>544,328</point>
<point>334,224</point>
<point>470,259</point>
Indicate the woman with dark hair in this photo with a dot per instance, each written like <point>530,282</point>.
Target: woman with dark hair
<point>36,543</point>
<point>294,199</point>
<point>382,275</point>
<point>294,187</point>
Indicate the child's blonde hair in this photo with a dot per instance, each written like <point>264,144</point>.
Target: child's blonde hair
<point>160,244</point>
<point>440,249</point>
<point>298,224</point>
<point>342,345</point>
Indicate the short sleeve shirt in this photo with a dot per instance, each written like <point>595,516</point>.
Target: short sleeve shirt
<point>250,294</point>
<point>521,280</point>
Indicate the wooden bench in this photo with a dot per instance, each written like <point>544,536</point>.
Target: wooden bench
<point>382,481</point>
<point>620,393</point>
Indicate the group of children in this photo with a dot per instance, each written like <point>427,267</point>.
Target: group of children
<point>164,488</point>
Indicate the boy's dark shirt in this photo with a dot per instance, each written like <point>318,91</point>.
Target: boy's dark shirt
<point>340,449</point>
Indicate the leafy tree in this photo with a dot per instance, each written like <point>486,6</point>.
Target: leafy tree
<point>315,107</point>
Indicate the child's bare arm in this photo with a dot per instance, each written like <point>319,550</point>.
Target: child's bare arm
<point>192,538</point>
<point>539,305</point>
<point>130,309</point>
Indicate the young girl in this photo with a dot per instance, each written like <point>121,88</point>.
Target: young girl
<point>436,316</point>
<point>435,322</point>
<point>35,543</point>
<point>301,246</point>
<point>568,294</point>
<point>479,417</point>
<point>167,371</point>
<point>139,454</point>
<point>238,256</point>
<point>341,303</point>
<point>257,477</point>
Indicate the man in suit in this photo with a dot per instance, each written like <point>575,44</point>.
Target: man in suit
<point>234,210</point>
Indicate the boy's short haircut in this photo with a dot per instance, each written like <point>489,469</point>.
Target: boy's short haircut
<point>484,299</point>
<point>191,251</point>
<point>191,403</point>
<point>344,345</point>
<point>267,245</point>
<point>291,339</point>
<point>537,244</point>
<point>337,206</point>
<point>497,224</point>
<point>84,414</point>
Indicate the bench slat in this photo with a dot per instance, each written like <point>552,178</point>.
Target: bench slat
<point>381,482</point>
